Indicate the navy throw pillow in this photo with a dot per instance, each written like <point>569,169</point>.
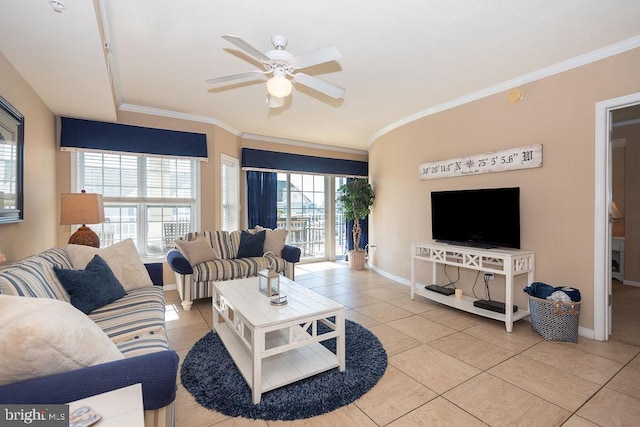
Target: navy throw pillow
<point>251,244</point>
<point>91,288</point>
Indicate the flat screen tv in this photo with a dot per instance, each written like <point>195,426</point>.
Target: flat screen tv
<point>483,218</point>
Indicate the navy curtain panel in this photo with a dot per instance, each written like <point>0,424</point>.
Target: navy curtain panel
<point>262,202</point>
<point>275,161</point>
<point>92,135</point>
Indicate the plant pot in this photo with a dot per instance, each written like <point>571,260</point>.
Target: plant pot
<point>357,260</point>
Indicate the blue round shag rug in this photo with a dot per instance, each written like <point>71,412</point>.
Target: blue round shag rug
<point>209,374</point>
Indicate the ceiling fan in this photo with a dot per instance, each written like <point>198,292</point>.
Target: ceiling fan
<point>280,65</point>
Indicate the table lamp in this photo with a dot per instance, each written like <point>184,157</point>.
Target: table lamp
<point>82,208</point>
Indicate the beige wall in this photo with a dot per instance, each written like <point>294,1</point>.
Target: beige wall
<point>557,200</point>
<point>38,230</point>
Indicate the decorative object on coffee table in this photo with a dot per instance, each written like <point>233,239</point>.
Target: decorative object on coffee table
<point>82,208</point>
<point>356,199</point>
<point>269,282</point>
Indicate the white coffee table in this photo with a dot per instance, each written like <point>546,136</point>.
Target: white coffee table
<point>267,342</point>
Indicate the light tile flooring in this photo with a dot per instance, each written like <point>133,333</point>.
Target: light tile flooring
<point>451,368</point>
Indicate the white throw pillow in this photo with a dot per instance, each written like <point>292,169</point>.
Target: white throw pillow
<point>274,240</point>
<point>43,336</point>
<point>122,258</point>
<point>197,250</point>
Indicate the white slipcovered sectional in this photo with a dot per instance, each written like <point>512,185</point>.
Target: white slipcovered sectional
<point>55,353</point>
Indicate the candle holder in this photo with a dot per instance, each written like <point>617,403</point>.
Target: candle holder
<point>269,282</point>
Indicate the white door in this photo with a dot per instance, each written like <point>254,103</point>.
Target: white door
<point>602,212</point>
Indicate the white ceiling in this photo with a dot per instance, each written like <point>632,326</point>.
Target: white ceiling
<point>400,60</point>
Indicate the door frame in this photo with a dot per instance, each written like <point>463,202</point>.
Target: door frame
<point>602,202</point>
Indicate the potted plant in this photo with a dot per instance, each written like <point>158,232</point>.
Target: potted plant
<point>356,199</point>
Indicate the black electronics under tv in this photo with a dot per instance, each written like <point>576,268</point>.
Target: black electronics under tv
<point>484,218</point>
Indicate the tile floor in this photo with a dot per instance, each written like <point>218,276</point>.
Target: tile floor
<point>448,367</point>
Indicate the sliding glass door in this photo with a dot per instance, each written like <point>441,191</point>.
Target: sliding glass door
<point>306,207</point>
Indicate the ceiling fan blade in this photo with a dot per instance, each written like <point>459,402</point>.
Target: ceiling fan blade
<point>246,47</point>
<point>239,76</point>
<point>319,85</point>
<point>318,56</point>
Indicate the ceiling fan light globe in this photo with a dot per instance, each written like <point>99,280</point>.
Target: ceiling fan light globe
<point>279,86</point>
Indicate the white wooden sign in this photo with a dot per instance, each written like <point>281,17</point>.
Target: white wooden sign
<point>526,157</point>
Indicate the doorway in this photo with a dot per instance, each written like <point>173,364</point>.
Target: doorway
<point>607,112</point>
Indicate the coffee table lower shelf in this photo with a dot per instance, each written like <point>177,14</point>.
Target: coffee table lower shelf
<point>279,369</point>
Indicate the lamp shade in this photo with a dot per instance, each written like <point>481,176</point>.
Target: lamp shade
<point>81,208</point>
<point>279,86</point>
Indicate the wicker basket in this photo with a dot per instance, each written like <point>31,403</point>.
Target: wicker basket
<point>555,320</point>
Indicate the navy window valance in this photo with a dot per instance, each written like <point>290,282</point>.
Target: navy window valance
<point>253,159</point>
<point>79,134</point>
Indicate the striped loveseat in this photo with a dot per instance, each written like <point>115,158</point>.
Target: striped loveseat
<point>196,281</point>
<point>134,323</point>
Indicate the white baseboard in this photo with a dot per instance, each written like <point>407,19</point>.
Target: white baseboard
<point>586,333</point>
<point>388,275</point>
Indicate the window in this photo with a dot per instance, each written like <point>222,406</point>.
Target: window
<point>149,199</point>
<point>229,177</point>
<point>8,174</point>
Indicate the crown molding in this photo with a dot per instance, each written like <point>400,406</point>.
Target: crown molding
<point>177,115</point>
<point>296,143</point>
<point>203,119</point>
<point>578,61</point>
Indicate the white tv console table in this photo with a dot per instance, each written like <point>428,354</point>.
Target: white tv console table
<point>509,263</point>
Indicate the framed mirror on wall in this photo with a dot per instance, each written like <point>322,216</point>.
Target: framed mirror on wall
<point>11,163</point>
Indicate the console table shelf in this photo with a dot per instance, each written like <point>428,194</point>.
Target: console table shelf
<point>508,263</point>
